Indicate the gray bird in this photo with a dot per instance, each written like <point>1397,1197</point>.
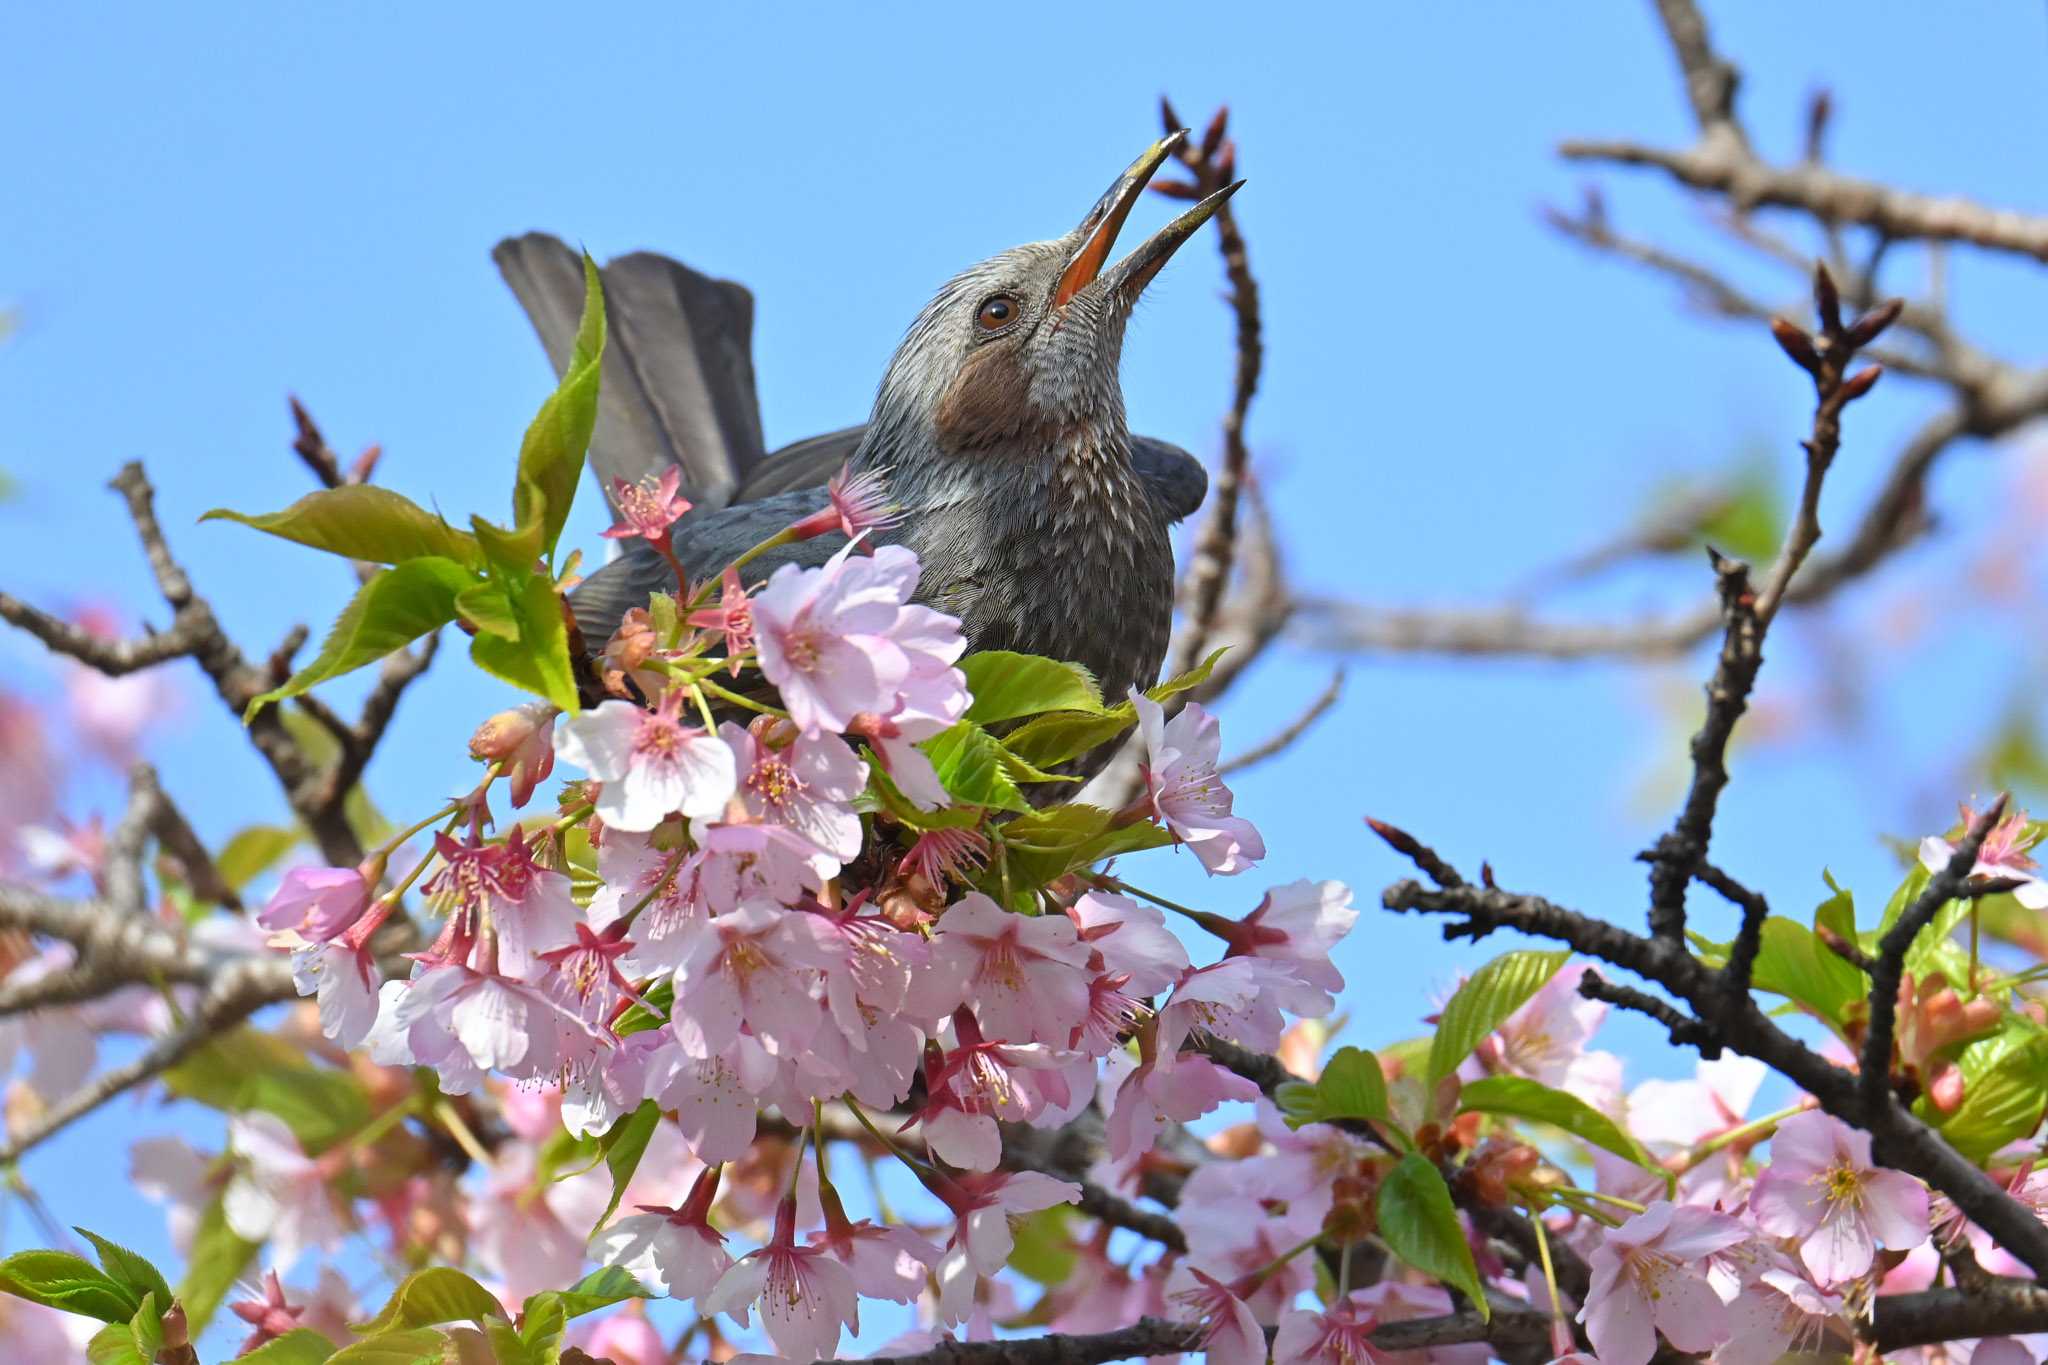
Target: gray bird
<point>1039,520</point>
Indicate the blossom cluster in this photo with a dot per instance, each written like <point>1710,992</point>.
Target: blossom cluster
<point>722,964</point>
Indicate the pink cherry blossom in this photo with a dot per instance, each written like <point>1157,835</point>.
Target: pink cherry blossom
<point>757,966</point>
<point>1234,999</point>
<point>1152,1094</point>
<point>1131,939</point>
<point>1546,1040</point>
<point>676,1251</point>
<point>804,1293</point>
<point>981,1241</point>
<point>1394,1301</point>
<point>1342,1335</point>
<point>732,617</point>
<point>1776,1310</point>
<point>1231,1335</point>
<point>168,1171</point>
<point>626,1338</point>
<point>318,903</point>
<point>651,765</point>
<point>805,786</point>
<point>278,1194</point>
<point>1297,924</point>
<point>1822,1189</point>
<point>1021,974</point>
<point>2004,853</point>
<point>648,510</point>
<point>523,739</point>
<point>856,504</point>
<point>823,639</point>
<point>269,1315</point>
<point>1186,793</point>
<point>1649,1275</point>
<point>940,856</point>
<point>980,1082</point>
<point>527,907</point>
<point>886,1262</point>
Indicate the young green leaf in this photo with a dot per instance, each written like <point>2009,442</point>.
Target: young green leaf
<point>114,1344</point>
<point>1484,1002</point>
<point>146,1328</point>
<point>363,522</point>
<point>601,1288</point>
<point>623,1144</point>
<point>216,1261</point>
<point>537,659</point>
<point>1044,1250</point>
<point>551,456</point>
<point>300,1346</point>
<point>1419,1223</point>
<point>428,1297</point>
<point>252,851</point>
<point>1049,740</point>
<point>1352,1086</point>
<point>417,1346</point>
<point>970,765</point>
<point>1792,962</point>
<point>319,1104</point>
<point>2005,1089</point>
<point>388,613</point>
<point>1006,685</point>
<point>127,1269</point>
<point>57,1279</point>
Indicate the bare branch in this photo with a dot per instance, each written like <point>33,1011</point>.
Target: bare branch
<point>1710,82</point>
<point>1281,739</point>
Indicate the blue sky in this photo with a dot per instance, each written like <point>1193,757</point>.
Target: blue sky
<point>208,213</point>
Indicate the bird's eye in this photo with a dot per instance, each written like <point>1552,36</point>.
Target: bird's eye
<point>997,312</point>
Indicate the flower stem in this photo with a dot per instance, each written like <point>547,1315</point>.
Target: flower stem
<point>1560,1335</point>
<point>1631,1205</point>
<point>727,695</point>
<point>449,1118</point>
<point>1755,1128</point>
<point>883,1138</point>
<point>1126,888</point>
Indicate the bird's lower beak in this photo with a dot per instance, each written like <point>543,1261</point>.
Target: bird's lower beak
<point>1127,278</point>
<point>1099,229</point>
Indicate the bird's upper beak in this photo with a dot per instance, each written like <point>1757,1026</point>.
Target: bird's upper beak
<point>1099,229</point>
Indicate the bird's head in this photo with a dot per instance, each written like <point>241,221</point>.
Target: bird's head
<point>1020,352</point>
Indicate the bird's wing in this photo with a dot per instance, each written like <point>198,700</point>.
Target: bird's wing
<point>678,384</point>
<point>1175,478</point>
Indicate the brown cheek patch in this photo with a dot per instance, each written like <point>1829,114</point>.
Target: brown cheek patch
<point>989,402</point>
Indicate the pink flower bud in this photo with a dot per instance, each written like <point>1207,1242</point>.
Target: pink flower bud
<point>524,740</point>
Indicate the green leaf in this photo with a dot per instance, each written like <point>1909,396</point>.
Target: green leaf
<point>435,1295</point>
<point>1006,685</point>
<point>536,657</point>
<point>300,1346</point>
<point>217,1259</point>
<point>970,764</point>
<point>543,1323</point>
<point>1517,1097</point>
<point>253,851</point>
<point>1484,1002</point>
<point>1049,740</point>
<point>623,1144</point>
<point>388,613</point>
<point>363,522</point>
<point>1352,1086</point>
<point>1044,1250</point>
<point>127,1269</point>
<point>320,1106</point>
<point>601,1288</point>
<point>551,456</point>
<point>57,1279</point>
<point>2005,1088</point>
<point>1418,1222</point>
<point>214,1075</point>
<point>1792,962</point>
<point>420,1346</point>
<point>146,1328</point>
<point>114,1344</point>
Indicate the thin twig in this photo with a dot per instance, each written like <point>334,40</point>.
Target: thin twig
<point>1279,741</point>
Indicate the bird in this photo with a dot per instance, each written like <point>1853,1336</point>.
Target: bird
<point>999,427</point>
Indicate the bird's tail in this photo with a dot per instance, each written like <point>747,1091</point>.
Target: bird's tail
<point>678,380</point>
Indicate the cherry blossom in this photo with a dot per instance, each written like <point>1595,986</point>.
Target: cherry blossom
<point>648,510</point>
<point>1022,976</point>
<point>523,739</point>
<point>319,903</point>
<point>1186,793</point>
<point>651,765</point>
<point>823,639</point>
<point>805,1295</point>
<point>804,784</point>
<point>981,1240</point>
<point>672,1251</point>
<point>1649,1276</point>
<point>1231,1335</point>
<point>856,503</point>
<point>1822,1189</point>
<point>278,1193</point>
<point>2004,853</point>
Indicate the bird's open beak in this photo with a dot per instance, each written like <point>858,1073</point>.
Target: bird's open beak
<point>1099,229</point>
<point>1128,277</point>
